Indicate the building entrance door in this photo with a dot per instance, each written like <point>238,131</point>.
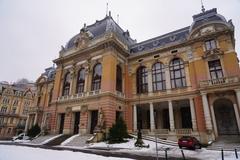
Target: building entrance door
<point>76,123</point>
<point>186,117</point>
<point>62,117</point>
<point>94,120</point>
<point>225,117</point>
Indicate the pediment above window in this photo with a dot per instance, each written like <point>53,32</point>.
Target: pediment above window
<point>213,54</point>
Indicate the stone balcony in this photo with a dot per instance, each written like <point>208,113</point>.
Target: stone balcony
<point>3,125</point>
<point>220,81</point>
<point>10,114</point>
<point>86,95</point>
<point>34,109</point>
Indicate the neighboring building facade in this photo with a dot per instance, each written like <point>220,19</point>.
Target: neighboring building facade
<point>15,101</point>
<point>182,83</point>
<point>40,112</point>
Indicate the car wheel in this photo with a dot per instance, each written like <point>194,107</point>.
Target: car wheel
<point>198,146</point>
<point>180,147</point>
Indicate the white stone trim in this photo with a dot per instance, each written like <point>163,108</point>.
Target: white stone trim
<point>68,67</point>
<point>81,62</point>
<point>96,57</point>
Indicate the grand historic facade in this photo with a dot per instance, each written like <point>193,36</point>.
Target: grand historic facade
<point>15,102</point>
<point>185,82</point>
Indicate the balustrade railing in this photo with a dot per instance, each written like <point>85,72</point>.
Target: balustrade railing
<point>86,94</point>
<point>219,81</point>
<point>184,131</point>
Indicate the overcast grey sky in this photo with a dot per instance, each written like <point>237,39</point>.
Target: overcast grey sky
<point>32,31</point>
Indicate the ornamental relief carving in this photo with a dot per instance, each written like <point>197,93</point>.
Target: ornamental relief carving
<point>83,39</point>
<point>213,54</point>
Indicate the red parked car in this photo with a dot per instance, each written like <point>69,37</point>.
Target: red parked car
<point>189,142</point>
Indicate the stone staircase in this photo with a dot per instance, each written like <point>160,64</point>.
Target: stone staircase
<point>159,140</point>
<point>39,140</point>
<point>229,142</point>
<point>58,140</point>
<point>77,140</point>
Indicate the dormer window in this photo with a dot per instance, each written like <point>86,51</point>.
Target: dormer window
<point>210,45</point>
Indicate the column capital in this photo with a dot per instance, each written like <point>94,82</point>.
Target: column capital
<point>237,90</point>
<point>203,93</point>
<point>191,98</point>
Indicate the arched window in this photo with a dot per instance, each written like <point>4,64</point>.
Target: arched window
<point>66,84</point>
<point>177,73</point>
<point>142,83</point>
<point>96,77</point>
<point>80,81</point>
<point>119,79</point>
<point>158,77</point>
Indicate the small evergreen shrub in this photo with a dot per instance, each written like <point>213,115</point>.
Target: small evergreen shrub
<point>118,132</point>
<point>35,130</point>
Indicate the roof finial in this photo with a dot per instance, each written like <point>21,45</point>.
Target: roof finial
<point>118,19</point>
<point>107,9</point>
<point>203,9</point>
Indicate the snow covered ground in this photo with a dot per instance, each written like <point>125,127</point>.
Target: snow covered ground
<point>28,153</point>
<point>173,151</point>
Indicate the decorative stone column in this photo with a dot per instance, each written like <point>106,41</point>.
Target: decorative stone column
<point>72,75</point>
<point>188,82</point>
<point>86,81</point>
<point>171,115</point>
<point>168,78</point>
<point>152,122</point>
<point>237,116</point>
<point>150,88</point>
<point>134,117</point>
<point>43,120</point>
<point>208,120</point>
<point>35,119</point>
<point>214,120</point>
<point>26,125</point>
<point>238,97</point>
<point>193,115</point>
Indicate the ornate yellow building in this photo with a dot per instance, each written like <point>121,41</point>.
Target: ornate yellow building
<point>15,102</point>
<point>185,82</point>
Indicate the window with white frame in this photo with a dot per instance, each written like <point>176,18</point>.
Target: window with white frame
<point>1,120</point>
<point>158,77</point>
<point>177,73</point>
<point>4,109</point>
<point>210,44</point>
<point>215,69</point>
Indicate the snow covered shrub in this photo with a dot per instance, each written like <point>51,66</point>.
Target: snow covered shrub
<point>35,130</point>
<point>118,132</point>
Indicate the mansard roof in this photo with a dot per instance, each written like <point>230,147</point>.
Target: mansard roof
<point>170,39</point>
<point>48,75</point>
<point>100,28</point>
<point>181,35</point>
<point>165,40</point>
<point>206,17</point>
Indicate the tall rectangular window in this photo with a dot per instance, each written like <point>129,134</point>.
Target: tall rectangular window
<point>1,120</point>
<point>210,44</point>
<point>215,69</point>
